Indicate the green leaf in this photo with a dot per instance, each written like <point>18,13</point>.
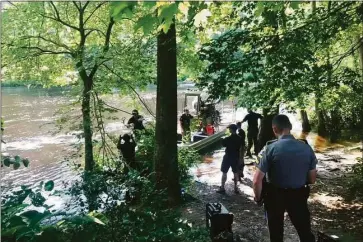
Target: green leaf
<point>15,221</point>
<point>37,199</point>
<point>120,8</point>
<point>16,165</point>
<point>25,162</point>
<point>294,4</point>
<point>34,217</point>
<point>147,23</point>
<point>7,161</point>
<point>149,4</point>
<point>259,8</point>
<point>95,220</point>
<point>167,12</point>
<point>48,186</point>
<point>17,159</point>
<point>166,25</point>
<point>24,187</point>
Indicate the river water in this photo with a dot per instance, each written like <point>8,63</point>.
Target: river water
<point>29,119</point>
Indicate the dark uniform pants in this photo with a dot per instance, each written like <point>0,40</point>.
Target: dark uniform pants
<point>252,140</point>
<point>294,201</point>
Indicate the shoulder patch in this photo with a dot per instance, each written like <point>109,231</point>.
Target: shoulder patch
<point>303,140</point>
<point>271,141</point>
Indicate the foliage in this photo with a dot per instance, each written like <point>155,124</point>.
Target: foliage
<point>284,53</point>
<point>187,158</point>
<point>19,222</point>
<point>15,161</point>
<point>129,209</point>
<point>355,183</point>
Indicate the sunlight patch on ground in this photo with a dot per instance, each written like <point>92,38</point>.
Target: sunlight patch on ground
<point>332,202</point>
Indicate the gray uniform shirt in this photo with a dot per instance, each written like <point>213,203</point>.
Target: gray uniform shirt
<point>287,162</point>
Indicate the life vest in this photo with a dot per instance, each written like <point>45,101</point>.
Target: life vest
<point>209,129</point>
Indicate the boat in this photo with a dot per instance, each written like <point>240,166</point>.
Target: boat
<point>199,141</point>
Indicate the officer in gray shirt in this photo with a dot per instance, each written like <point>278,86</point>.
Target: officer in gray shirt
<point>289,165</point>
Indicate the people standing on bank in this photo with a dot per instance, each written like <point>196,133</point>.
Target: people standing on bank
<point>136,121</point>
<point>289,166</point>
<point>241,133</point>
<point>231,158</point>
<point>185,121</point>
<point>252,131</point>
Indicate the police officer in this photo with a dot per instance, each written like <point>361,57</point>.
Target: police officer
<point>289,165</point>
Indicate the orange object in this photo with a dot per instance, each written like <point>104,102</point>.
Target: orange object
<point>209,129</point>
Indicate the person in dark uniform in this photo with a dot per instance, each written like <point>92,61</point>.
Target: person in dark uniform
<point>252,131</point>
<point>289,165</point>
<point>231,157</point>
<point>241,133</point>
<point>185,120</point>
<point>136,120</point>
<point>126,146</point>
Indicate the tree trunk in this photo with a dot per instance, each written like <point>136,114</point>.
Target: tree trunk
<point>335,130</point>
<point>320,116</point>
<point>166,163</point>
<point>361,68</point>
<point>306,128</point>
<point>266,133</point>
<point>87,125</point>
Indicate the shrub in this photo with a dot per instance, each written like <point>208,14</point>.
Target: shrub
<point>355,182</point>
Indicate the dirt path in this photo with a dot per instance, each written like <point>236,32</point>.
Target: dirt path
<point>329,208</point>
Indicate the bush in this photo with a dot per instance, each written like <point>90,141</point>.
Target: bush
<point>118,218</point>
<point>355,182</point>
<point>186,159</point>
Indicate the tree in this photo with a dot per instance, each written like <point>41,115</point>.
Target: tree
<point>166,163</point>
<point>160,19</point>
<point>72,43</point>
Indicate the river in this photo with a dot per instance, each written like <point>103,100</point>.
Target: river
<point>29,119</point>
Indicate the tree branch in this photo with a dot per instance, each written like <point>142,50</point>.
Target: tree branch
<point>92,30</point>
<point>75,4</point>
<point>106,46</point>
<point>133,90</point>
<point>85,6</point>
<point>58,19</point>
<point>43,51</point>
<point>48,40</point>
<point>94,10</point>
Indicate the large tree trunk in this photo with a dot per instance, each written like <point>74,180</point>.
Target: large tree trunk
<point>87,125</point>
<point>361,68</point>
<point>266,133</point>
<point>166,163</point>
<point>306,128</point>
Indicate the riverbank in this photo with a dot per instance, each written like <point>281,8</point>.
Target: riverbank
<point>330,207</point>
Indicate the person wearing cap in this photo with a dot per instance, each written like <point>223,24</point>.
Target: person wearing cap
<point>185,120</point>
<point>289,165</point>
<point>231,158</point>
<point>136,120</point>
